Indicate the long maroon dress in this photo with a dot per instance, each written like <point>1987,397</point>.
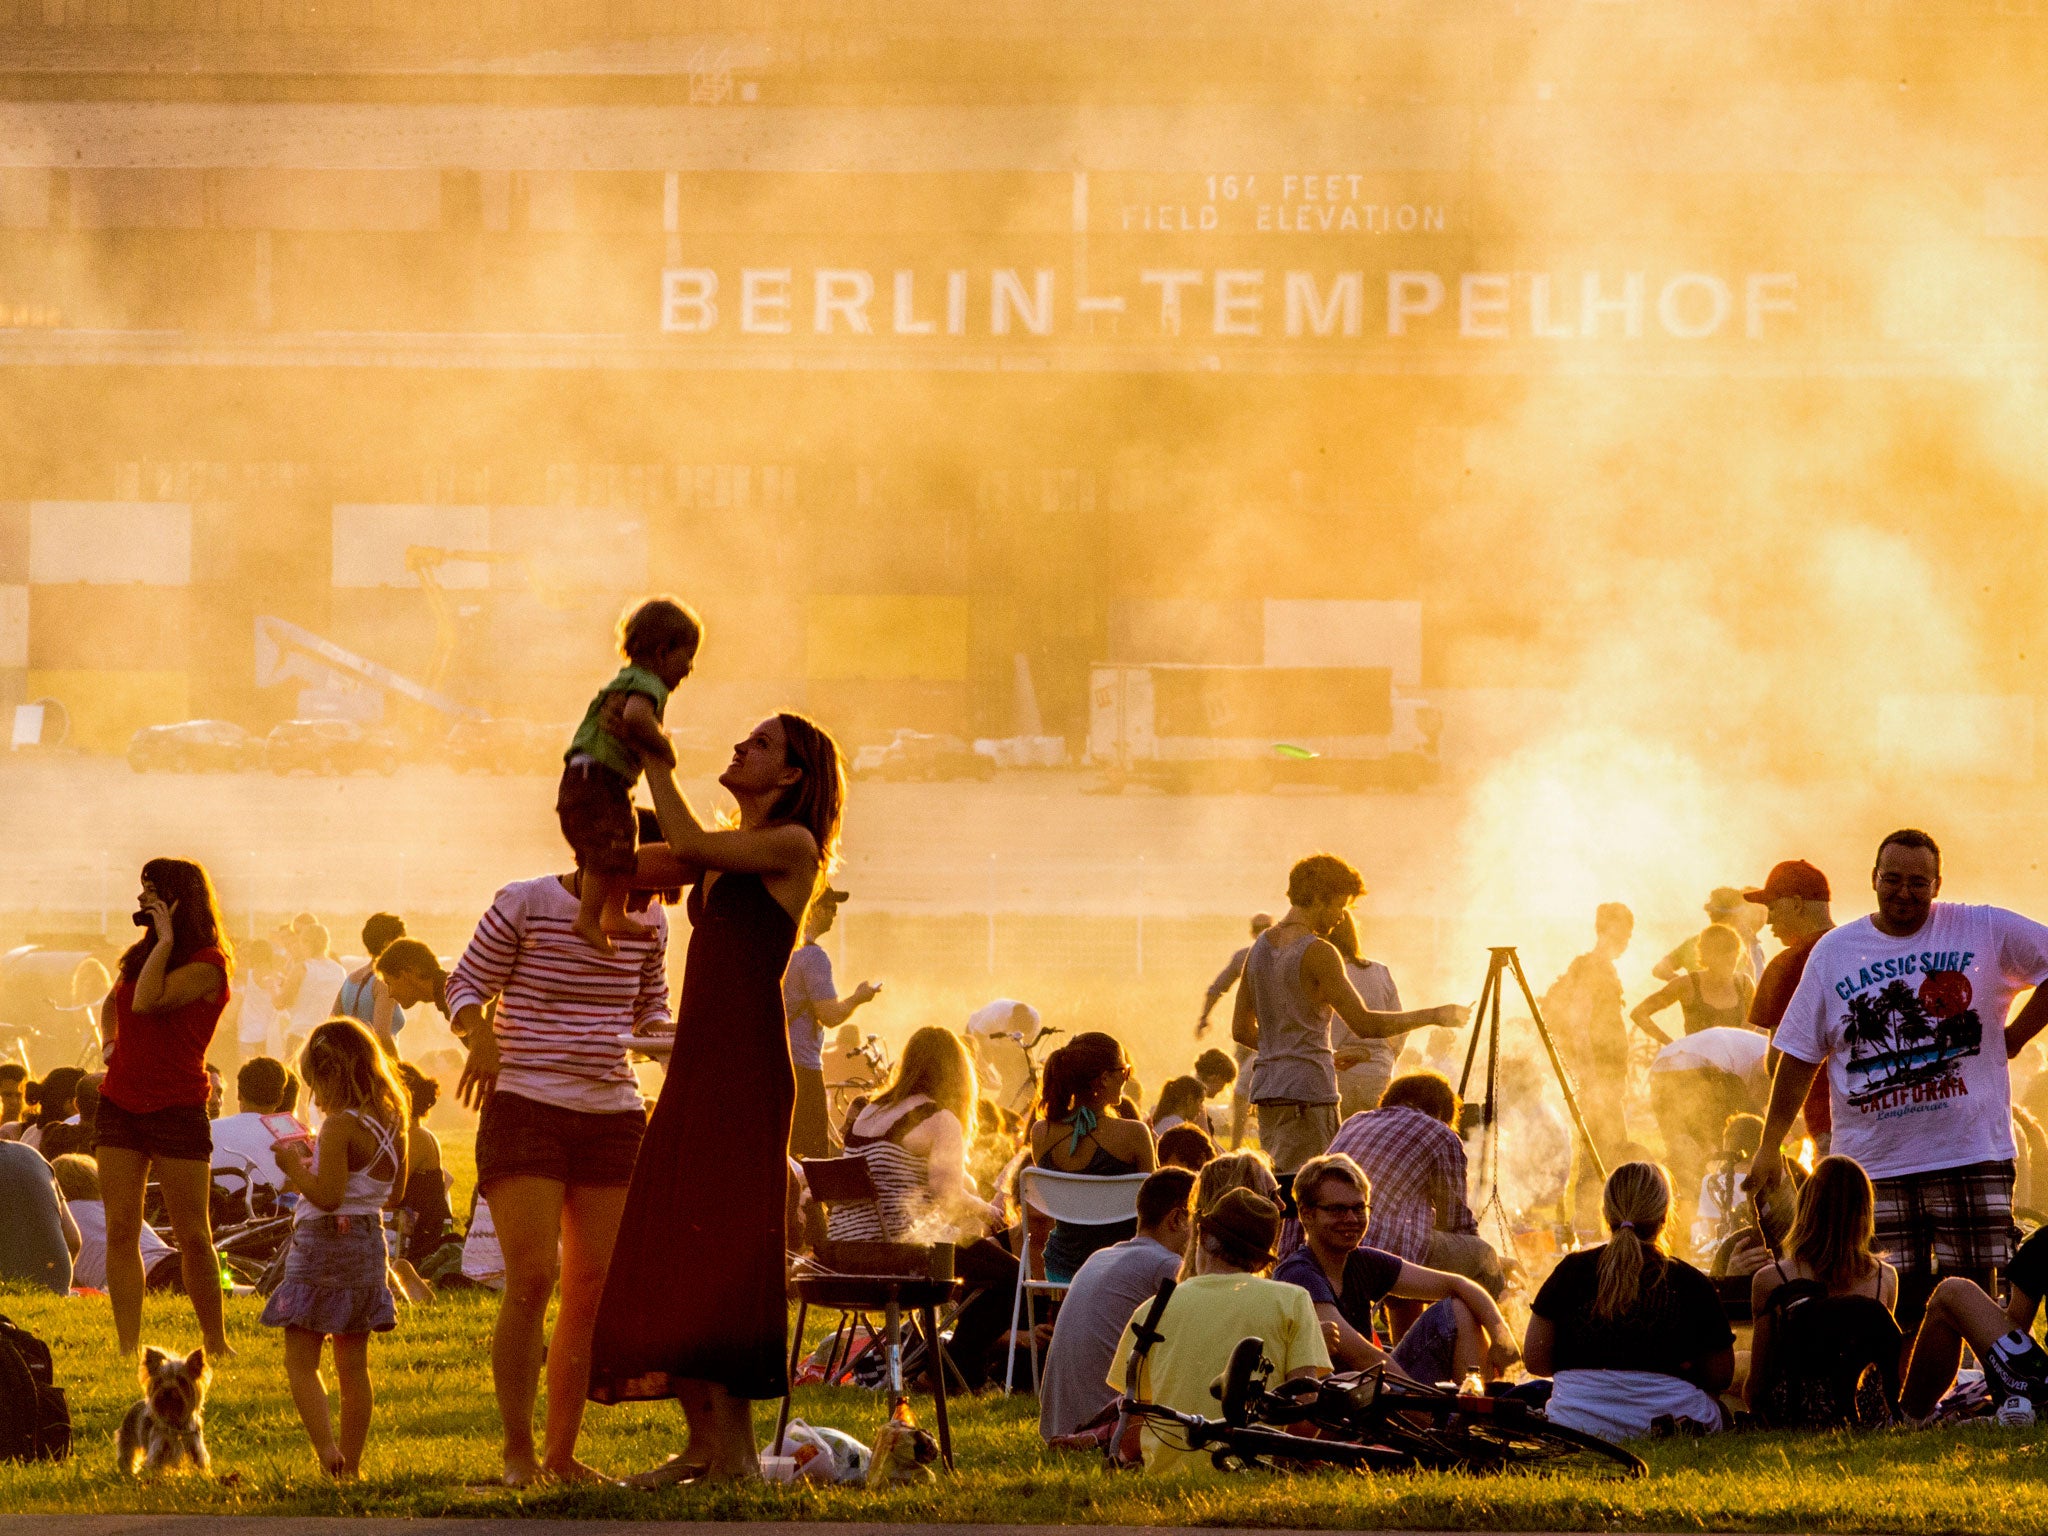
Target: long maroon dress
<point>696,1289</point>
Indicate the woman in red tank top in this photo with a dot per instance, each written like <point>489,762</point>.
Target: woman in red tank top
<point>156,1025</point>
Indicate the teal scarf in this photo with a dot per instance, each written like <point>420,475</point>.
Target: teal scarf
<point>1085,1121</point>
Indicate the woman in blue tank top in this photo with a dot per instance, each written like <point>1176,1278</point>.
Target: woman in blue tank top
<point>364,996</point>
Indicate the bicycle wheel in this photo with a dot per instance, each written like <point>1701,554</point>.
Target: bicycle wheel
<point>1481,1437</point>
<point>1234,1449</point>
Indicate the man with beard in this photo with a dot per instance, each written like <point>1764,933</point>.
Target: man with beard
<point>1907,1011</point>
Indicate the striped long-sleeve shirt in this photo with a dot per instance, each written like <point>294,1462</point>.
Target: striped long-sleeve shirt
<point>562,1006</point>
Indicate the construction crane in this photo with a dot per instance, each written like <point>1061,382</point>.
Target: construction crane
<point>424,563</point>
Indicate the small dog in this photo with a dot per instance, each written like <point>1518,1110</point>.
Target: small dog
<point>169,1425</point>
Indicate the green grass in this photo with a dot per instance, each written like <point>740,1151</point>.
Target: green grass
<point>435,1443</point>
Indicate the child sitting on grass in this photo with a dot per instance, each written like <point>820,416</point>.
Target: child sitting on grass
<point>335,1283</point>
<point>620,731</point>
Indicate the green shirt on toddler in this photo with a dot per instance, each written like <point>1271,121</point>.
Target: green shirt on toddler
<point>600,745</point>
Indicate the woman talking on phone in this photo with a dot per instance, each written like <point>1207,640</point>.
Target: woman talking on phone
<point>156,1024</point>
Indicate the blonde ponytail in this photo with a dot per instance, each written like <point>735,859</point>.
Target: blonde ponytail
<point>1637,1201</point>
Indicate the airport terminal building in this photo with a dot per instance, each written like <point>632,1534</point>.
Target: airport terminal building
<point>938,359</point>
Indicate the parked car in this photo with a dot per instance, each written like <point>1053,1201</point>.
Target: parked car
<point>329,746</point>
<point>192,746</point>
<point>918,755</point>
<point>506,746</point>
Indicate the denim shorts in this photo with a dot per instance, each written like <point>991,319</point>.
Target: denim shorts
<point>334,1278</point>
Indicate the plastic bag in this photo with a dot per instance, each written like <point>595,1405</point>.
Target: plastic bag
<point>902,1453</point>
<point>823,1455</point>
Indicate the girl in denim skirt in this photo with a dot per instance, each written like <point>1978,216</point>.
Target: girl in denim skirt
<point>335,1274</point>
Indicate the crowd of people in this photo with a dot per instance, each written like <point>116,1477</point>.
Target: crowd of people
<point>663,1239</point>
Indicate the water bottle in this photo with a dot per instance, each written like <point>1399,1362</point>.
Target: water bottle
<point>1472,1386</point>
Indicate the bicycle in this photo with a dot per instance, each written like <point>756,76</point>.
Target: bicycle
<point>1371,1420</point>
<point>1020,1096</point>
<point>853,1073</point>
<point>80,1048</point>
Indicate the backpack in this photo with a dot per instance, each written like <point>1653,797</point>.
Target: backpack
<point>1834,1360</point>
<point>35,1421</point>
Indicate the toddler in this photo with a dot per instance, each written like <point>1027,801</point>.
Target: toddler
<point>335,1283</point>
<point>621,729</point>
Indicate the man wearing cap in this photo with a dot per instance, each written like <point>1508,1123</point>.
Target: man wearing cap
<point>1226,1298</point>
<point>1795,900</point>
<point>1907,1012</point>
<point>813,1005</point>
<point>1727,906</point>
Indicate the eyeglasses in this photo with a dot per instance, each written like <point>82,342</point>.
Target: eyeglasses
<point>1335,1208</point>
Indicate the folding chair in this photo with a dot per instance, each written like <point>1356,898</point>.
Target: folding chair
<point>1078,1199</point>
<point>859,1278</point>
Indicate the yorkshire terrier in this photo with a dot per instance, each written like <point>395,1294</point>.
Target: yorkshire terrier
<point>169,1425</point>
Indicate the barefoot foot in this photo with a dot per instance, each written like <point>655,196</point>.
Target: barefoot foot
<point>521,1472</point>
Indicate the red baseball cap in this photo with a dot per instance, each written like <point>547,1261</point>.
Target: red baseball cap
<point>1794,877</point>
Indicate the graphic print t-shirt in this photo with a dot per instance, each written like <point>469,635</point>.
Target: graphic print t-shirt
<point>1912,1033</point>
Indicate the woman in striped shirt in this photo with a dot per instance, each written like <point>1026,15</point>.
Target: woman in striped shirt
<point>562,1122</point>
<point>913,1137</point>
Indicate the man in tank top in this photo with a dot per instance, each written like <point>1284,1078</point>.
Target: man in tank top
<point>1294,984</point>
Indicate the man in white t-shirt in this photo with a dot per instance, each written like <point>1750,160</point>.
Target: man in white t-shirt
<point>1907,1010</point>
<point>240,1143</point>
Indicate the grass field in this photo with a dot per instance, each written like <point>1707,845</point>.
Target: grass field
<point>433,1450</point>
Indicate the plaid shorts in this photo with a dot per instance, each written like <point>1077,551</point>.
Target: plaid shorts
<point>1957,1220</point>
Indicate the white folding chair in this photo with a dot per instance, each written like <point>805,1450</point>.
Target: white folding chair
<point>1078,1199</point>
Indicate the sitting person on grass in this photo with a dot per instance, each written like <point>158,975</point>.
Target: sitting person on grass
<point>425,1197</point>
<point>1824,1312</point>
<point>1959,1312</point>
<point>242,1144</point>
<point>1461,1331</point>
<point>1075,1401</point>
<point>1218,1073</point>
<point>1414,1164</point>
<point>1187,1146</point>
<point>1632,1336</point>
<point>1723,1209</point>
<point>1180,1103</point>
<point>1225,1300</point>
<point>78,1176</point>
<point>1226,1171</point>
<point>38,1238</point>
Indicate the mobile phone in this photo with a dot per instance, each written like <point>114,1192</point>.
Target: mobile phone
<point>142,920</point>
